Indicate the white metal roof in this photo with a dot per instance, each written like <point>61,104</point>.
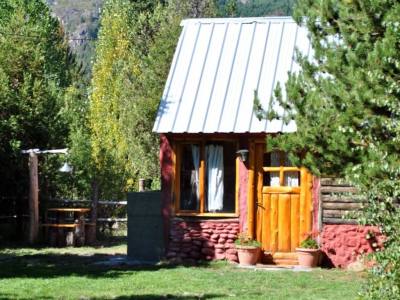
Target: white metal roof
<point>217,66</point>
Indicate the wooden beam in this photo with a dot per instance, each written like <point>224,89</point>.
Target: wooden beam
<point>250,192</point>
<point>338,221</point>
<point>339,189</point>
<point>33,198</point>
<point>202,177</point>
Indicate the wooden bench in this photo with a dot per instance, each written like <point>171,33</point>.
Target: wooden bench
<point>59,225</point>
<point>62,233</point>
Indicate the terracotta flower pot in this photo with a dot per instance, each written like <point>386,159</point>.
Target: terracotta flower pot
<point>308,257</point>
<point>248,255</point>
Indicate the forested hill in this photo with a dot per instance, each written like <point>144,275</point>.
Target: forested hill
<point>81,19</point>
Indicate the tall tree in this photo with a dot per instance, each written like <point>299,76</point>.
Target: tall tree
<point>347,109</point>
<point>35,70</point>
<point>132,62</point>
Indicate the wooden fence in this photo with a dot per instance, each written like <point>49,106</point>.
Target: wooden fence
<point>111,214</point>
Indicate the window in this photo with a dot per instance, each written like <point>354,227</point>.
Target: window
<point>280,171</point>
<point>206,179</point>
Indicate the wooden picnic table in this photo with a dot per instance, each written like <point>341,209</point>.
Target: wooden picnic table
<point>63,231</point>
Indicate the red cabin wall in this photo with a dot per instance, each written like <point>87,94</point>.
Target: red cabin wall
<point>195,238</point>
<point>207,238</point>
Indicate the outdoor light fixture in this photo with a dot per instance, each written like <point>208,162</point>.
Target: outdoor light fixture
<point>66,168</point>
<point>244,153</point>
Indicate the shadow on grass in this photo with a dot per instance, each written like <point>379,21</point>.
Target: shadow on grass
<point>64,264</point>
<point>168,296</point>
<point>102,242</point>
<point>129,297</point>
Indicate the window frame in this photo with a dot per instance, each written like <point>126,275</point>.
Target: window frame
<point>177,151</point>
<point>282,188</point>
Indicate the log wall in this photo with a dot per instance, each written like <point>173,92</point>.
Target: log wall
<point>339,202</point>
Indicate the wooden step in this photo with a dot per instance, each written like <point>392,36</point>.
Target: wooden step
<point>280,258</point>
<point>286,262</point>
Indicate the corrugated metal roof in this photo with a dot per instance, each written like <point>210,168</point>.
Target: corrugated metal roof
<point>217,66</point>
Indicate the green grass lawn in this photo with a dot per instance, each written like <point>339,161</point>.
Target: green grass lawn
<point>70,273</point>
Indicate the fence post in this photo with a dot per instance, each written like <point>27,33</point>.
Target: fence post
<point>92,229</point>
<point>33,198</point>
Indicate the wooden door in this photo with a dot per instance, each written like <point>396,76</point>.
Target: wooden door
<point>283,207</point>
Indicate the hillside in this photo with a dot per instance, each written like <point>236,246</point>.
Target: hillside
<point>80,19</point>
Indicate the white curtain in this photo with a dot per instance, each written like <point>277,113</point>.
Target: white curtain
<point>275,162</point>
<point>194,180</point>
<point>215,175</point>
<point>290,178</point>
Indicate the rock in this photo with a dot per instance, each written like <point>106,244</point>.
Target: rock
<point>229,245</point>
<point>357,266</point>
<point>189,261</point>
<point>219,251</point>
<point>195,254</point>
<point>197,242</point>
<point>352,242</point>
<point>231,257</point>
<point>231,251</point>
<point>175,260</point>
<point>208,244</point>
<point>207,251</point>
<point>186,249</point>
<point>171,254</point>
<point>219,256</point>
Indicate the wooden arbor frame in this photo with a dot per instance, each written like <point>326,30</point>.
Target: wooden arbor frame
<point>34,190</point>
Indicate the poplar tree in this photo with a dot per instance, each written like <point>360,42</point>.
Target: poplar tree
<point>134,52</point>
<point>345,101</point>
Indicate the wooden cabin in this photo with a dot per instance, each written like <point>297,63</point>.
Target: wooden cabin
<point>217,178</point>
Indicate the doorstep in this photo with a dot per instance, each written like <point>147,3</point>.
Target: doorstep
<point>269,267</point>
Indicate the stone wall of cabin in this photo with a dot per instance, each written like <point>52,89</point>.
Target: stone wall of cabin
<point>345,243</point>
<point>191,240</point>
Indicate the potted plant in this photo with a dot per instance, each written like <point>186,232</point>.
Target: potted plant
<point>248,249</point>
<point>308,252</point>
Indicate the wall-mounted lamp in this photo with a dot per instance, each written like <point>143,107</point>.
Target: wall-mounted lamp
<point>66,168</point>
<point>244,153</point>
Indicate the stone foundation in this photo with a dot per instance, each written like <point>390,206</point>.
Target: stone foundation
<point>343,244</point>
<point>192,240</point>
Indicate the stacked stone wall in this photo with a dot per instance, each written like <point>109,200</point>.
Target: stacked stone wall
<point>192,240</point>
<point>344,244</point>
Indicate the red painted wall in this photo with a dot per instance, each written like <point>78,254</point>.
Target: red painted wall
<point>167,173</point>
<point>243,186</point>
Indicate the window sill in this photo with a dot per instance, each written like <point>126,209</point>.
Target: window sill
<point>196,214</point>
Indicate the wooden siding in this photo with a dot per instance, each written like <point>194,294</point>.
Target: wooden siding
<point>339,200</point>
